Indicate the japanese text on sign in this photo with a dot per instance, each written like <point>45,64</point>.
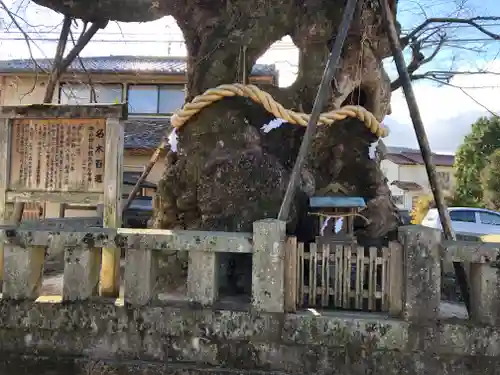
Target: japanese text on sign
<point>58,155</point>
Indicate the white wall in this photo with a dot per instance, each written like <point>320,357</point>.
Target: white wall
<point>390,169</point>
<point>418,174</point>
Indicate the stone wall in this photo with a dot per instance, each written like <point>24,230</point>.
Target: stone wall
<point>106,338</point>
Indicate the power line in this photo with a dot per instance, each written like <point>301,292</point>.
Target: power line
<point>106,33</point>
<point>180,41</point>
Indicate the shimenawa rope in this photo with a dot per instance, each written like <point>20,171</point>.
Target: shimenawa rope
<point>272,106</point>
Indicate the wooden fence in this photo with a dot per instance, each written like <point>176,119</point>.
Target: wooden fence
<point>343,275</point>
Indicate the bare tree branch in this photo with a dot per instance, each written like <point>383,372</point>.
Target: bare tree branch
<point>469,21</point>
<point>56,66</point>
<point>83,40</point>
<point>93,96</point>
<point>26,37</point>
<point>418,59</point>
<point>424,36</point>
<point>28,41</point>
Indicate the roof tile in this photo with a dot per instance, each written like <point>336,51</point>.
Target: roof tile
<point>407,185</point>
<point>120,64</point>
<point>409,156</point>
<point>145,133</point>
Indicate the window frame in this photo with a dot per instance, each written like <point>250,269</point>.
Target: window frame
<point>70,82</point>
<point>158,90</point>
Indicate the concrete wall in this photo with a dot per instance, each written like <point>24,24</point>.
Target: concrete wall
<point>23,89</point>
<point>106,339</point>
<point>103,336</point>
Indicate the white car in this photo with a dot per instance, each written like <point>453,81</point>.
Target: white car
<point>466,220</point>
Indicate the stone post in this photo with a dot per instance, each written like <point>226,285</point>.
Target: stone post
<point>485,287</point>
<point>202,280</point>
<point>140,276</point>
<point>23,272</point>
<point>422,272</point>
<point>268,272</point>
<point>485,293</point>
<point>81,272</point>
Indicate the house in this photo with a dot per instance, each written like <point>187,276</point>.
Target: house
<point>407,177</point>
<point>152,86</point>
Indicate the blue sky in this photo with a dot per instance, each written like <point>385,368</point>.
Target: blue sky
<point>447,112</point>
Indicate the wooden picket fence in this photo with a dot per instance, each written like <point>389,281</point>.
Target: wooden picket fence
<point>341,275</point>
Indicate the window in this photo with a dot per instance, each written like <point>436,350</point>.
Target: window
<point>398,199</point>
<point>444,179</point>
<point>489,218</point>
<point>463,216</point>
<point>143,99</point>
<point>155,99</point>
<point>80,93</point>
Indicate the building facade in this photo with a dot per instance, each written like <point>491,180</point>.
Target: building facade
<point>407,177</point>
<point>153,87</point>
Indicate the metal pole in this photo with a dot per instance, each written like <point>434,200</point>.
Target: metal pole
<point>319,103</point>
<point>145,173</point>
<point>423,143</point>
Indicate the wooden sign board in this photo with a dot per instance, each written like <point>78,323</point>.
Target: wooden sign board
<point>65,154</point>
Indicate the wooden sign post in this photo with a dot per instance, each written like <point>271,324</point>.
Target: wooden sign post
<point>65,154</point>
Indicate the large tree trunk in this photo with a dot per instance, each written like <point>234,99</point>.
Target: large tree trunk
<point>227,172</point>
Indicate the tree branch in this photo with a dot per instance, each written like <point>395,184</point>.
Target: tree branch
<point>418,59</point>
<point>444,77</point>
<point>93,95</point>
<point>21,30</point>
<point>469,21</point>
<point>56,66</point>
<point>72,55</point>
<point>422,36</point>
<point>116,10</point>
<point>28,40</point>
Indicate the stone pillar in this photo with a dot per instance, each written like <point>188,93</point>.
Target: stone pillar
<point>485,293</point>
<point>202,280</point>
<point>23,272</point>
<point>422,272</point>
<point>140,276</point>
<point>81,273</point>
<point>269,237</point>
